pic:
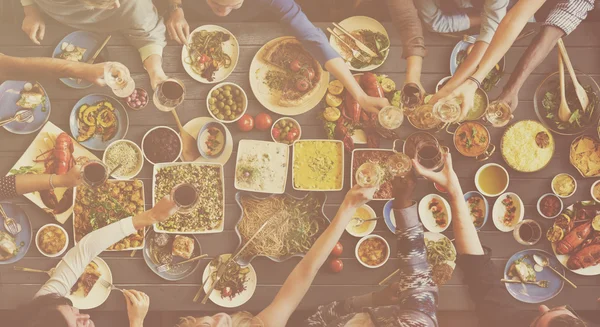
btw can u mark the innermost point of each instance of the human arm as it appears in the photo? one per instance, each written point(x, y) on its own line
point(138, 304)
point(438, 21)
point(296, 285)
point(74, 262)
point(177, 26)
point(33, 68)
point(13, 185)
point(33, 22)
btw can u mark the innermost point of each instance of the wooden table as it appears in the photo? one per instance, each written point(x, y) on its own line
point(173, 299)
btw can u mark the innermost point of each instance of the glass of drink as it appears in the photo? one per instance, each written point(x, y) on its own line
point(169, 94)
point(498, 114)
point(528, 232)
point(95, 173)
point(369, 174)
point(447, 111)
point(429, 154)
point(185, 196)
point(399, 164)
point(390, 117)
point(411, 97)
point(118, 78)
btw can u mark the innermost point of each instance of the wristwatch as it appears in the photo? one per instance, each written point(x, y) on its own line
point(175, 6)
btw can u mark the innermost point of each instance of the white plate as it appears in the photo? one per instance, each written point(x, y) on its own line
point(99, 293)
point(193, 127)
point(429, 236)
point(162, 165)
point(258, 71)
point(354, 23)
point(43, 142)
point(372, 224)
point(239, 299)
point(245, 148)
point(498, 212)
point(231, 47)
point(427, 217)
point(340, 144)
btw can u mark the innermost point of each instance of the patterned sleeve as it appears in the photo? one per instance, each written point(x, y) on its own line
point(8, 187)
point(568, 14)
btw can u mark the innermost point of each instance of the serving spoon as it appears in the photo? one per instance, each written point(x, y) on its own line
point(564, 113)
point(544, 262)
point(579, 90)
point(189, 150)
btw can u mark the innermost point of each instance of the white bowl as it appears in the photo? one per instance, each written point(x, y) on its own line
point(157, 127)
point(540, 201)
point(387, 257)
point(140, 156)
point(592, 190)
point(498, 212)
point(245, 101)
point(477, 178)
point(427, 217)
point(561, 196)
point(372, 224)
point(57, 253)
point(286, 118)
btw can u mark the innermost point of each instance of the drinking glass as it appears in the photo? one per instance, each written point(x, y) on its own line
point(169, 94)
point(411, 97)
point(118, 78)
point(399, 164)
point(390, 117)
point(94, 173)
point(528, 232)
point(185, 196)
point(447, 111)
point(498, 113)
point(429, 154)
point(369, 174)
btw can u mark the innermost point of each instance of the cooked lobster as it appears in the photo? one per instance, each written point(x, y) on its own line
point(352, 110)
point(586, 257)
point(341, 133)
point(369, 83)
point(574, 239)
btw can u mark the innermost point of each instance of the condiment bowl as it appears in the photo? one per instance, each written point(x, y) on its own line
point(295, 122)
point(539, 205)
point(139, 157)
point(387, 257)
point(556, 192)
point(199, 139)
point(479, 173)
point(592, 190)
point(64, 248)
point(244, 96)
point(164, 127)
point(372, 224)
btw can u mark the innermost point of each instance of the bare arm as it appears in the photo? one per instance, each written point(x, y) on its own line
point(38, 68)
point(28, 183)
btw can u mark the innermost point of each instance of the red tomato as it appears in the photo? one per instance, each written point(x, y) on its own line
point(276, 132)
point(226, 292)
point(302, 84)
point(295, 65)
point(263, 121)
point(309, 73)
point(292, 135)
point(336, 265)
point(245, 123)
point(203, 58)
point(337, 250)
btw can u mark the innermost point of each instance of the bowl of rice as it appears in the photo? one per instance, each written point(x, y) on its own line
point(128, 155)
point(527, 146)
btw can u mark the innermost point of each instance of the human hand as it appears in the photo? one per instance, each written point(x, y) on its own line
point(33, 24)
point(163, 209)
point(465, 94)
point(157, 76)
point(511, 98)
point(137, 307)
point(446, 178)
point(93, 73)
point(372, 104)
point(403, 189)
point(357, 196)
point(387, 296)
point(71, 179)
point(177, 27)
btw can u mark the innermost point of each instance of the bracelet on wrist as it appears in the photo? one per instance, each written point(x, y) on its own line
point(474, 80)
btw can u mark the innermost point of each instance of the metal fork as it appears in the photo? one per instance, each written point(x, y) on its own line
point(541, 283)
point(108, 285)
point(355, 53)
point(169, 266)
point(47, 272)
point(9, 223)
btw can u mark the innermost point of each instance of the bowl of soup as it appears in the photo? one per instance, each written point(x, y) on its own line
point(595, 191)
point(491, 180)
point(472, 139)
point(357, 229)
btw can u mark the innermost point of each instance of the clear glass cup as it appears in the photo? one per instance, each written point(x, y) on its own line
point(118, 78)
point(169, 94)
point(369, 174)
point(94, 173)
point(498, 114)
point(447, 111)
point(185, 196)
point(390, 117)
point(528, 232)
point(429, 154)
point(411, 97)
point(399, 164)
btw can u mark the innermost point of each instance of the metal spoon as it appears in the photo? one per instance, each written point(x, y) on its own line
point(360, 221)
point(22, 116)
point(47, 272)
point(544, 262)
point(11, 225)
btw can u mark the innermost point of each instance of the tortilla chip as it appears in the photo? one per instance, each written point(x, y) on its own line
point(584, 145)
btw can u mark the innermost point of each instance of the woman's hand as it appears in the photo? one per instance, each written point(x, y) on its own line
point(372, 104)
point(163, 209)
point(465, 93)
point(177, 27)
point(357, 196)
point(33, 24)
point(446, 178)
point(137, 307)
point(71, 179)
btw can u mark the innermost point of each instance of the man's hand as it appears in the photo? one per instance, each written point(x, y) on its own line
point(357, 196)
point(403, 189)
point(33, 24)
point(510, 98)
point(177, 27)
point(387, 296)
point(446, 178)
point(372, 104)
point(93, 73)
point(465, 94)
point(137, 307)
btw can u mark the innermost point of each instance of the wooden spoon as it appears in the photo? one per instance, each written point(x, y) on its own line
point(189, 149)
point(579, 90)
point(564, 113)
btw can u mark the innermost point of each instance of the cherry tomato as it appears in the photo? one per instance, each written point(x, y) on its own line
point(336, 265)
point(309, 73)
point(295, 65)
point(337, 250)
point(276, 132)
point(203, 58)
point(226, 292)
point(302, 84)
point(245, 123)
point(292, 134)
point(263, 121)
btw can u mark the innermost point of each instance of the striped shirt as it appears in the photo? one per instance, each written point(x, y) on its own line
point(568, 14)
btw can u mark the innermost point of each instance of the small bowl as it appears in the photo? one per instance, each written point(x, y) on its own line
point(140, 159)
point(555, 192)
point(540, 201)
point(166, 127)
point(295, 122)
point(57, 253)
point(372, 224)
point(199, 140)
point(387, 257)
point(592, 190)
point(138, 90)
point(477, 178)
point(245, 101)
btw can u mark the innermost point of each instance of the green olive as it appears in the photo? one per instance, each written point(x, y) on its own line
point(220, 116)
point(227, 107)
point(227, 112)
point(232, 117)
point(220, 105)
point(215, 111)
point(227, 87)
point(229, 102)
point(237, 92)
point(215, 93)
point(282, 136)
point(212, 100)
point(213, 107)
point(227, 93)
point(286, 129)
